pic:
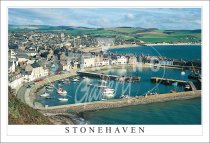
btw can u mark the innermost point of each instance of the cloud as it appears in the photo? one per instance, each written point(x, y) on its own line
point(162, 18)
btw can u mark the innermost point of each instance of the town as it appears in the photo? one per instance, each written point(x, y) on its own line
point(34, 55)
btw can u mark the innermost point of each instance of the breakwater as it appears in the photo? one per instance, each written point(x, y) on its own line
point(115, 103)
point(110, 77)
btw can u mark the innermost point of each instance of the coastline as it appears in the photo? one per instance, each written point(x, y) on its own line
point(98, 49)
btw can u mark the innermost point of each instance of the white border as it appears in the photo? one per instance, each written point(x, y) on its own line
point(175, 133)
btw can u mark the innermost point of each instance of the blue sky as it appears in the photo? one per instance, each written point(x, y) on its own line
point(162, 18)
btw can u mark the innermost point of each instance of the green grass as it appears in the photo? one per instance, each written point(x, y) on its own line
point(20, 113)
point(149, 35)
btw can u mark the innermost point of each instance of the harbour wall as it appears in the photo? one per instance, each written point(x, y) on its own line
point(115, 103)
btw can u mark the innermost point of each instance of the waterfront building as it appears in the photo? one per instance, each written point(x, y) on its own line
point(132, 60)
point(35, 71)
point(122, 60)
point(65, 66)
point(88, 60)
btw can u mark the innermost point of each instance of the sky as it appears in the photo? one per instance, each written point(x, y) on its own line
point(161, 18)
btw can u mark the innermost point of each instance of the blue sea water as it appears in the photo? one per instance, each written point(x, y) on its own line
point(182, 112)
point(185, 52)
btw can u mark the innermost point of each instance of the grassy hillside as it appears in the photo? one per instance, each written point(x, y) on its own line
point(20, 113)
point(148, 35)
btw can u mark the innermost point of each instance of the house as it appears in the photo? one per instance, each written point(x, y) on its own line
point(98, 60)
point(75, 64)
point(65, 66)
point(34, 71)
point(88, 60)
point(11, 67)
point(132, 60)
point(16, 80)
point(122, 60)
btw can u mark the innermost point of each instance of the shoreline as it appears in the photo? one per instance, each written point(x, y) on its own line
point(98, 49)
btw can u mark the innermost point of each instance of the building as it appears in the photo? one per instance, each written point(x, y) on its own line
point(65, 66)
point(16, 80)
point(88, 61)
point(122, 60)
point(132, 60)
point(34, 71)
point(11, 67)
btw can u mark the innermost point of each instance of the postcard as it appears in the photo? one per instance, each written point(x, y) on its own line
point(130, 71)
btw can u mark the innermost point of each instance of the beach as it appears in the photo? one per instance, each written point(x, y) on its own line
point(98, 49)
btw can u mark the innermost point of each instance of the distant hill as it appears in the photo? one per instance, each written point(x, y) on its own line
point(148, 35)
point(20, 113)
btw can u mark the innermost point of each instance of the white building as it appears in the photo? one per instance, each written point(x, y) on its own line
point(11, 67)
point(16, 81)
point(35, 71)
point(88, 61)
point(121, 60)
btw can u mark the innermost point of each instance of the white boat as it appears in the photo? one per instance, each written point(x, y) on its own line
point(61, 91)
point(45, 94)
point(187, 86)
point(108, 89)
point(182, 73)
point(59, 84)
point(63, 99)
point(75, 80)
point(108, 94)
point(102, 86)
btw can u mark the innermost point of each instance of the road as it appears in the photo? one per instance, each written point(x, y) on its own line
point(21, 92)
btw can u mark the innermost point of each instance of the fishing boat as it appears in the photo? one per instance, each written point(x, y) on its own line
point(75, 80)
point(102, 86)
point(108, 92)
point(61, 91)
point(182, 73)
point(187, 87)
point(45, 94)
point(63, 99)
point(48, 97)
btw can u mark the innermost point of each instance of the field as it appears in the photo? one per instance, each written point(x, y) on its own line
point(133, 34)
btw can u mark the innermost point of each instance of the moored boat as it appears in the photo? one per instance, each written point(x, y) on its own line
point(61, 91)
point(63, 99)
point(75, 80)
point(45, 94)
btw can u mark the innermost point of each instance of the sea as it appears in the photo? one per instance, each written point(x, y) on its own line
point(172, 112)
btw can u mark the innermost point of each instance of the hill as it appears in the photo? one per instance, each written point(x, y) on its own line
point(20, 113)
point(148, 35)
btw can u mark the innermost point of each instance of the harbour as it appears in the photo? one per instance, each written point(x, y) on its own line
point(97, 89)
